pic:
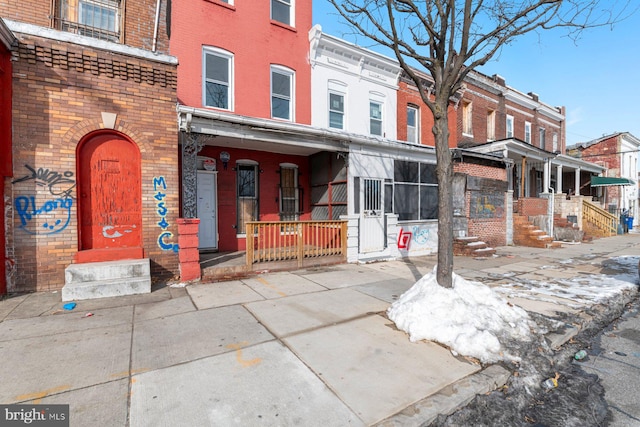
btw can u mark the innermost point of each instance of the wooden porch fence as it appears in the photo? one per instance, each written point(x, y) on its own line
point(298, 243)
point(602, 220)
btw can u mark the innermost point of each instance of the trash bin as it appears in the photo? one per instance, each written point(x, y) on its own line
point(624, 224)
point(629, 223)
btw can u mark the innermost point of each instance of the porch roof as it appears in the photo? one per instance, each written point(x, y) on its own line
point(606, 181)
point(253, 133)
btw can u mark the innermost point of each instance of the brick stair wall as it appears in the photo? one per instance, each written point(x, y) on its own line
point(527, 234)
point(471, 246)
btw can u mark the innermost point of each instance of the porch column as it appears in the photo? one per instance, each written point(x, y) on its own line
point(190, 148)
point(576, 186)
point(546, 175)
point(522, 176)
point(559, 179)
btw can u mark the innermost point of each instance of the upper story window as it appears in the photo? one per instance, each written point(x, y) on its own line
point(413, 133)
point(491, 125)
point(375, 118)
point(217, 87)
point(509, 127)
point(336, 110)
point(527, 132)
point(555, 142)
point(543, 133)
point(99, 19)
point(467, 118)
point(282, 11)
point(281, 93)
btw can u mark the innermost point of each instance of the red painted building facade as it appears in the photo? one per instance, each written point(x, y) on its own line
point(243, 88)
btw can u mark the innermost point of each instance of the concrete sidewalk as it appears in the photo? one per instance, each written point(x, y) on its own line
point(311, 347)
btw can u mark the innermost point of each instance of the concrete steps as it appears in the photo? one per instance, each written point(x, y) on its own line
point(106, 279)
point(471, 246)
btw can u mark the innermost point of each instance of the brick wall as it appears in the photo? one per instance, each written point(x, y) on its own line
point(492, 231)
point(532, 206)
point(138, 16)
point(483, 101)
point(60, 94)
point(408, 95)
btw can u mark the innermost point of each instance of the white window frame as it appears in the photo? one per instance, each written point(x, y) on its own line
point(416, 128)
point(542, 137)
point(467, 118)
point(491, 125)
point(372, 119)
point(276, 69)
point(292, 11)
point(207, 50)
point(331, 110)
point(527, 132)
point(509, 127)
point(555, 142)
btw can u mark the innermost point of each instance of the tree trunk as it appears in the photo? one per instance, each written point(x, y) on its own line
point(444, 172)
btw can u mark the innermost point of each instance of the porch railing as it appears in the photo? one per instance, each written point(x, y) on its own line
point(599, 218)
point(295, 241)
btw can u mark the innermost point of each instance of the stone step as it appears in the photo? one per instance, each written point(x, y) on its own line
point(106, 288)
point(107, 279)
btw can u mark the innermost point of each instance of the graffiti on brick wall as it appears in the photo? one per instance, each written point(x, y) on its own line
point(418, 238)
point(50, 217)
point(486, 205)
point(58, 183)
point(165, 236)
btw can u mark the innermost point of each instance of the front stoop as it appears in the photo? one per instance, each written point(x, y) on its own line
point(471, 246)
point(107, 279)
point(527, 234)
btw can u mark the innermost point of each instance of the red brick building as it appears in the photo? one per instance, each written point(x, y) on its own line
point(248, 150)
point(95, 159)
point(7, 43)
point(415, 120)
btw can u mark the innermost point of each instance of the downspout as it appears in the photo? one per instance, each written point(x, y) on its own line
point(552, 202)
point(156, 24)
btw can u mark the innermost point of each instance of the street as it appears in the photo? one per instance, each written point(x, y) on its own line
point(615, 358)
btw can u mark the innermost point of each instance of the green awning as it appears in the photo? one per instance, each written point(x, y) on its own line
point(605, 181)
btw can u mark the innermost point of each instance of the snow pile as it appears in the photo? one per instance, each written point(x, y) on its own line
point(469, 318)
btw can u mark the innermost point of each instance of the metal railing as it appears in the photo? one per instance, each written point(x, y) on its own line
point(604, 221)
point(269, 241)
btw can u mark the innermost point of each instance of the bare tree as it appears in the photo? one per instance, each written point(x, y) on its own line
point(448, 39)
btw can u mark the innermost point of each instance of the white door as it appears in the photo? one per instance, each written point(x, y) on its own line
point(372, 235)
point(207, 210)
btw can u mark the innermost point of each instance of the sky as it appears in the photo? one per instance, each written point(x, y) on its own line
point(595, 78)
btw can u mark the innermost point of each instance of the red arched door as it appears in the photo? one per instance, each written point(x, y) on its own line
point(109, 199)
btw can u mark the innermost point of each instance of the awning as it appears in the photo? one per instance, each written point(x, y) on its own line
point(605, 181)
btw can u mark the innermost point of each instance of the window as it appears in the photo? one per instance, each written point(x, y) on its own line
point(491, 125)
point(415, 190)
point(247, 192)
point(543, 132)
point(527, 132)
point(281, 93)
point(375, 118)
point(413, 128)
point(336, 110)
point(555, 142)
point(217, 86)
point(282, 11)
point(467, 118)
point(289, 193)
point(509, 127)
point(99, 19)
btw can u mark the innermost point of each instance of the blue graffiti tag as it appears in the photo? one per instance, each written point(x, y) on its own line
point(159, 183)
point(420, 236)
point(28, 211)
